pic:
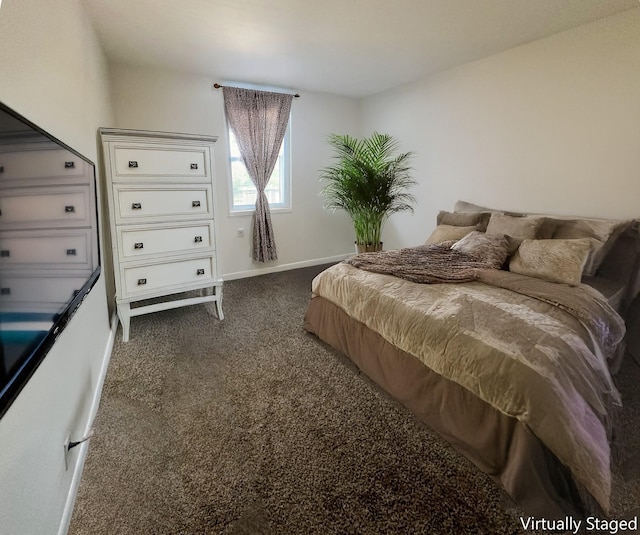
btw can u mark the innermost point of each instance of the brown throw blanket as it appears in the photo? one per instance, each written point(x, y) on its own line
point(427, 264)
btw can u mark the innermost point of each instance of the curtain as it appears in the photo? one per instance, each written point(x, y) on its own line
point(259, 121)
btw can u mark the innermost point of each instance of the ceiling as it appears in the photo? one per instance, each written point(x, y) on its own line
point(348, 47)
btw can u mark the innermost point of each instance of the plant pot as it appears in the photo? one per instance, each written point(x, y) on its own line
point(368, 248)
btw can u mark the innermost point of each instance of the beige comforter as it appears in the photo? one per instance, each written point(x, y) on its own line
point(539, 359)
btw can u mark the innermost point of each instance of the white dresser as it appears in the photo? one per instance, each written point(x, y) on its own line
point(47, 224)
point(160, 189)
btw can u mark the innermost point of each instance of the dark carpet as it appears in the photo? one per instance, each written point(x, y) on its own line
point(252, 426)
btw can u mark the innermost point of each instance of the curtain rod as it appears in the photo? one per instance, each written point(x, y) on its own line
point(218, 86)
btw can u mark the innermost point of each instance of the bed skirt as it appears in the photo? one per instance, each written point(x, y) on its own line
point(499, 445)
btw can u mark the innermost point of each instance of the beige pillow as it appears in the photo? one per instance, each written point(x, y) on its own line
point(552, 260)
point(477, 219)
point(522, 228)
point(449, 232)
point(491, 249)
point(602, 232)
point(464, 206)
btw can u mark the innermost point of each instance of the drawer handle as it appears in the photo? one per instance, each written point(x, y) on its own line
point(138, 245)
point(200, 272)
point(136, 206)
point(5, 253)
point(194, 166)
point(69, 165)
point(1, 168)
point(5, 291)
point(198, 239)
point(142, 282)
point(133, 163)
point(71, 252)
point(69, 209)
point(195, 204)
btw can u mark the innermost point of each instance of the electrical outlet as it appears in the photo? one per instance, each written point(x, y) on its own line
point(240, 233)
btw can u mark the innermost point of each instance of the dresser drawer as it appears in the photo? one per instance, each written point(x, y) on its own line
point(53, 249)
point(40, 164)
point(157, 162)
point(45, 207)
point(174, 276)
point(39, 290)
point(137, 204)
point(142, 241)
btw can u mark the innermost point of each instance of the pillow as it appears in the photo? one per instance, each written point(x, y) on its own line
point(552, 260)
point(448, 232)
point(522, 228)
point(477, 219)
point(602, 232)
point(464, 206)
point(600, 229)
point(491, 249)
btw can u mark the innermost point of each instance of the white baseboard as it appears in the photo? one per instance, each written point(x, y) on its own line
point(84, 447)
point(285, 267)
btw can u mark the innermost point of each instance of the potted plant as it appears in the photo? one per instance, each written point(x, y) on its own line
point(368, 181)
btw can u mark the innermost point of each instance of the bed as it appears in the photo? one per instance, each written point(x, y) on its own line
point(502, 333)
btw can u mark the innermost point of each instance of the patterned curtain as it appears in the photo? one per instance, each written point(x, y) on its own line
point(259, 121)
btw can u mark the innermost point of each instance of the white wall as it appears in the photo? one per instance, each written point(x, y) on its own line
point(53, 72)
point(152, 99)
point(551, 126)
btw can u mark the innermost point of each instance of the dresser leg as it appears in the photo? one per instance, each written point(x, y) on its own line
point(218, 293)
point(124, 314)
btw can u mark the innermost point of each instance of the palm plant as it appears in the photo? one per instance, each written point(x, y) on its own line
point(369, 182)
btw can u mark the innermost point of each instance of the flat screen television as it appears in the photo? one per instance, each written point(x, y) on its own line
point(49, 247)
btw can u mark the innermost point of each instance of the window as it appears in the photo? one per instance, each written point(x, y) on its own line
point(243, 192)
